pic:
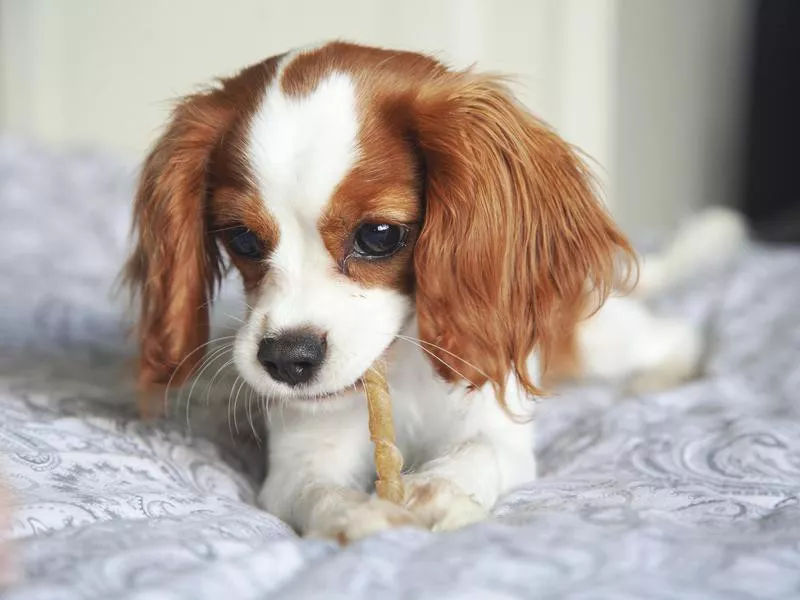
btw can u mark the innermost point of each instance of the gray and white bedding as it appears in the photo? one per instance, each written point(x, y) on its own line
point(690, 493)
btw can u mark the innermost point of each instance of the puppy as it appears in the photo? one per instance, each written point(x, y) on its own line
point(377, 203)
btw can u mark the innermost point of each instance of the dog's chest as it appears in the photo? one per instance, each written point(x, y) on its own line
point(425, 408)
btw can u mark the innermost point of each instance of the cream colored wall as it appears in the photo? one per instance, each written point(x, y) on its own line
point(682, 74)
point(609, 74)
point(103, 71)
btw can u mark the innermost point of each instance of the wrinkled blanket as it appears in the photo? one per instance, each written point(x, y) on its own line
point(691, 493)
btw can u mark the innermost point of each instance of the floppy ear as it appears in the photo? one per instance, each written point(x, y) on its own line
point(515, 242)
point(176, 263)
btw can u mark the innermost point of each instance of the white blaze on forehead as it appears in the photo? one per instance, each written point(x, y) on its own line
point(302, 147)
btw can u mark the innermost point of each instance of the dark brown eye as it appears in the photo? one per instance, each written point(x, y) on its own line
point(245, 243)
point(378, 240)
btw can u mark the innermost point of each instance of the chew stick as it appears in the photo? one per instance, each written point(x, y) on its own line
point(388, 460)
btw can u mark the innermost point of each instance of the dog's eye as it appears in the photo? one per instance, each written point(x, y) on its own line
point(244, 242)
point(377, 240)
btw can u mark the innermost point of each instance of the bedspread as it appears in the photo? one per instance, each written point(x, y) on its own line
point(690, 493)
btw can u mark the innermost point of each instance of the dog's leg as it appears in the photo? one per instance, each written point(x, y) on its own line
point(319, 470)
point(709, 240)
point(625, 343)
point(461, 484)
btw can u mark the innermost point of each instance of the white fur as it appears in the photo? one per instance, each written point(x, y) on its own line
point(625, 342)
point(709, 240)
point(464, 450)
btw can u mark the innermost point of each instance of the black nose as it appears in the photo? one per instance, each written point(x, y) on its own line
point(293, 357)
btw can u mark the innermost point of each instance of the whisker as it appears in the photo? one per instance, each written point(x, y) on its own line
point(185, 358)
point(252, 309)
point(211, 383)
point(230, 397)
point(283, 403)
point(456, 371)
point(267, 410)
point(255, 312)
point(445, 350)
point(235, 404)
point(207, 362)
point(250, 414)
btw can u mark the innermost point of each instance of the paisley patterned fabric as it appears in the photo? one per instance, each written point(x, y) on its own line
point(691, 493)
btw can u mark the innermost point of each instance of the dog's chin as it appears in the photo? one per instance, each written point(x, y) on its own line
point(314, 400)
point(324, 396)
point(312, 395)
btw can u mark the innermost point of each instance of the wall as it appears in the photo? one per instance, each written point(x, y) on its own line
point(682, 67)
point(104, 71)
point(611, 75)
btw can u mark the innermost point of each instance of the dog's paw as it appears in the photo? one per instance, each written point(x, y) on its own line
point(678, 348)
point(440, 505)
point(359, 520)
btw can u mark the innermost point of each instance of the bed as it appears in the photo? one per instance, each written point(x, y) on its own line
point(690, 493)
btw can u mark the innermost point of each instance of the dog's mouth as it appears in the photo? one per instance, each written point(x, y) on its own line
point(308, 396)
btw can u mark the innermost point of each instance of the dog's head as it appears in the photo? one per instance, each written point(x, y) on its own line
point(353, 188)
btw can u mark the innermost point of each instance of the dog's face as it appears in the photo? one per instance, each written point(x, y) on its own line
point(354, 188)
point(324, 238)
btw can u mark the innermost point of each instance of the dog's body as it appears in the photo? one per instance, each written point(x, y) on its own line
point(461, 449)
point(378, 204)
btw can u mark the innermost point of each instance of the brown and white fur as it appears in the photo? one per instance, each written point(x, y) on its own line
point(507, 251)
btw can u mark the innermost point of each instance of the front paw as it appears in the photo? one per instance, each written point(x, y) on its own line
point(441, 505)
point(357, 521)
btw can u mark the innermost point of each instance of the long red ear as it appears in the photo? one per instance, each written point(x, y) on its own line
point(514, 240)
point(176, 263)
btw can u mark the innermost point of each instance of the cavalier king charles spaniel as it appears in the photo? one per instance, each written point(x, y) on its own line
point(379, 204)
